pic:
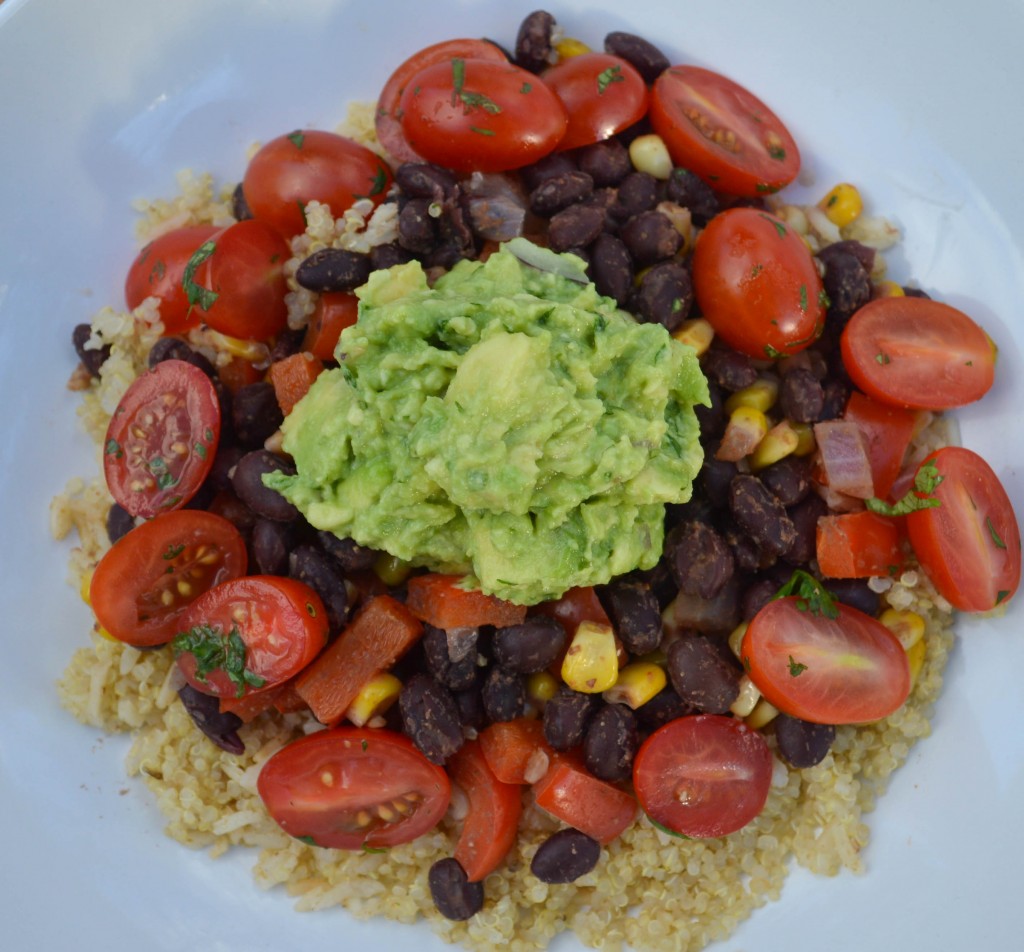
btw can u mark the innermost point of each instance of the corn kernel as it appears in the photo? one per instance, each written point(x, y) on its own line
point(391, 570)
point(747, 699)
point(843, 205)
point(649, 154)
point(84, 586)
point(736, 638)
point(637, 684)
point(374, 698)
point(252, 350)
point(806, 443)
point(762, 714)
point(541, 687)
point(591, 665)
point(746, 428)
point(915, 658)
point(568, 47)
point(761, 395)
point(779, 442)
point(908, 626)
point(889, 289)
point(697, 333)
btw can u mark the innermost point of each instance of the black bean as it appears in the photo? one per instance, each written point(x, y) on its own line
point(174, 348)
point(848, 287)
point(270, 544)
point(247, 480)
point(665, 295)
point(430, 717)
point(801, 397)
point(333, 269)
point(228, 506)
point(224, 463)
point(810, 359)
point(801, 743)
point(855, 593)
point(836, 392)
point(287, 344)
point(255, 413)
point(387, 256)
point(560, 191)
point(637, 192)
point(575, 225)
point(665, 706)
point(454, 895)
point(701, 675)
point(457, 674)
point(650, 237)
point(804, 516)
point(529, 647)
point(565, 856)
point(915, 292)
point(865, 255)
point(566, 716)
point(642, 55)
point(789, 479)
point(760, 514)
point(756, 595)
point(686, 189)
point(606, 162)
point(716, 476)
point(730, 369)
point(554, 164)
point(709, 615)
point(204, 709)
point(700, 560)
point(635, 614)
point(239, 205)
point(610, 743)
point(503, 694)
point(470, 705)
point(747, 554)
point(533, 49)
point(91, 359)
point(423, 180)
point(611, 267)
point(712, 419)
point(314, 567)
point(351, 556)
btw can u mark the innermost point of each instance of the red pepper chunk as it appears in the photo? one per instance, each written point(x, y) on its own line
point(441, 601)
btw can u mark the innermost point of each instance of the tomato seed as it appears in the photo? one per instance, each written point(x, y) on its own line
point(327, 778)
point(386, 813)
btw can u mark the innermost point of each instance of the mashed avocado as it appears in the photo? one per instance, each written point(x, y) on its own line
point(509, 423)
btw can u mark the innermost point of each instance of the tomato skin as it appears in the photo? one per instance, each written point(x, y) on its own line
point(332, 313)
point(380, 767)
point(887, 431)
point(575, 606)
point(736, 143)
point(282, 623)
point(157, 271)
point(917, 353)
point(309, 165)
point(970, 543)
point(602, 94)
point(703, 775)
point(388, 117)
point(846, 670)
point(127, 585)
point(161, 439)
point(512, 119)
point(244, 269)
point(757, 285)
point(858, 545)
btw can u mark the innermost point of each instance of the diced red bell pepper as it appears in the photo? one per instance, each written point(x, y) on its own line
point(440, 600)
point(514, 748)
point(858, 545)
point(575, 796)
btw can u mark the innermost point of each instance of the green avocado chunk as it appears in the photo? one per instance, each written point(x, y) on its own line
point(509, 423)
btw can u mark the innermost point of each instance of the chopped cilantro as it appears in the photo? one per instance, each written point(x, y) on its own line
point(803, 298)
point(482, 132)
point(1001, 595)
point(173, 551)
point(778, 225)
point(995, 535)
point(297, 139)
point(665, 829)
point(613, 74)
point(214, 651)
point(113, 448)
point(918, 497)
point(811, 594)
point(796, 668)
point(196, 293)
point(777, 152)
point(526, 87)
point(882, 358)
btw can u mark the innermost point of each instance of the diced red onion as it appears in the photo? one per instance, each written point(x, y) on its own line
point(844, 454)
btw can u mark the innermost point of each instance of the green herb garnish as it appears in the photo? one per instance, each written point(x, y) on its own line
point(196, 293)
point(920, 497)
point(811, 595)
point(214, 651)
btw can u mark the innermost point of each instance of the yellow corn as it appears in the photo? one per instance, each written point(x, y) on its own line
point(569, 46)
point(374, 698)
point(915, 658)
point(391, 570)
point(541, 687)
point(591, 664)
point(736, 638)
point(747, 700)
point(760, 395)
point(697, 333)
point(889, 289)
point(806, 444)
point(780, 441)
point(83, 588)
point(762, 714)
point(252, 350)
point(843, 205)
point(908, 626)
point(649, 154)
point(637, 684)
point(746, 428)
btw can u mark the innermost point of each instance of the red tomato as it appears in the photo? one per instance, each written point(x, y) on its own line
point(157, 272)
point(388, 118)
point(576, 605)
point(480, 115)
point(887, 431)
point(918, 353)
point(161, 439)
point(492, 822)
point(704, 775)
point(858, 545)
point(722, 132)
point(249, 634)
point(236, 281)
point(970, 543)
point(843, 670)
point(293, 170)
point(333, 312)
point(353, 788)
point(602, 93)
point(146, 580)
point(757, 285)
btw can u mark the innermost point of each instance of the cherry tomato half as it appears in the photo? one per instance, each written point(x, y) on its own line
point(843, 670)
point(157, 272)
point(918, 353)
point(388, 118)
point(722, 132)
point(332, 313)
point(236, 279)
point(249, 634)
point(161, 439)
point(148, 578)
point(757, 285)
point(602, 93)
point(293, 170)
point(970, 543)
point(481, 115)
point(352, 788)
point(704, 775)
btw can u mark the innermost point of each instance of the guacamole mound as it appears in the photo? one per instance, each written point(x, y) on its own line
point(508, 423)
